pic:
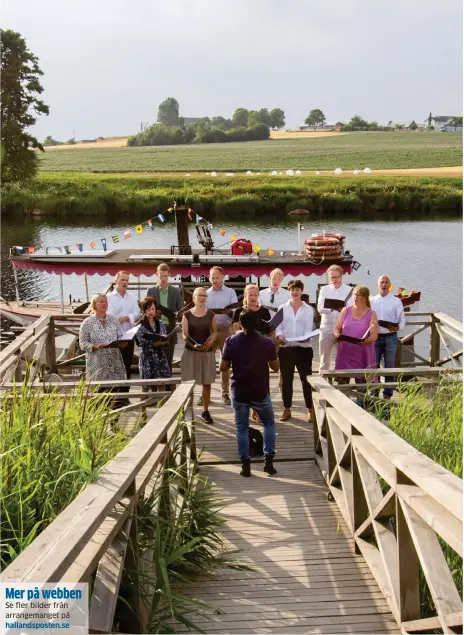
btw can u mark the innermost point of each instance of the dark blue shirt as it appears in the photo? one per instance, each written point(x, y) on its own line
point(249, 356)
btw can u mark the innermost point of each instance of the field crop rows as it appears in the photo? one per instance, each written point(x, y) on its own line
point(376, 150)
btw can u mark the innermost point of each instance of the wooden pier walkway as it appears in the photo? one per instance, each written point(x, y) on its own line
point(306, 577)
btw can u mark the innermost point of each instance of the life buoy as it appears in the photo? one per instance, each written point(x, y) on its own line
point(328, 235)
point(324, 248)
point(325, 242)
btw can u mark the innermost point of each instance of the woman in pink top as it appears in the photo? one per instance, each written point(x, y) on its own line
point(358, 321)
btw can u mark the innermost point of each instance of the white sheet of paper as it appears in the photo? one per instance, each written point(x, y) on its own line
point(130, 334)
point(302, 338)
point(366, 333)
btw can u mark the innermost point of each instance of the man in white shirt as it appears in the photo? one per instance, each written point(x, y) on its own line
point(220, 296)
point(298, 321)
point(125, 307)
point(390, 311)
point(274, 295)
point(335, 290)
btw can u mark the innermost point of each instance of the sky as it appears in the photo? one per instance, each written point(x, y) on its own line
point(109, 63)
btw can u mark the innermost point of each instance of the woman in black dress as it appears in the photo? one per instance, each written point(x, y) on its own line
point(250, 302)
point(153, 363)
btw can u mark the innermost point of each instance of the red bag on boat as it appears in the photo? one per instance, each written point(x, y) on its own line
point(241, 247)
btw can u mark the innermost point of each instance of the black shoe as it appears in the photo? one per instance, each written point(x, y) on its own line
point(206, 417)
point(268, 465)
point(226, 399)
point(245, 471)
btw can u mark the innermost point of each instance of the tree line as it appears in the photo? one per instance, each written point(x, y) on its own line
point(171, 128)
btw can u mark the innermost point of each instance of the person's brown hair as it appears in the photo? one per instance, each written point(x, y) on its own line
point(120, 273)
point(163, 267)
point(295, 284)
point(364, 292)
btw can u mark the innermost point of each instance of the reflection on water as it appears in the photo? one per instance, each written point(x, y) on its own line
point(422, 255)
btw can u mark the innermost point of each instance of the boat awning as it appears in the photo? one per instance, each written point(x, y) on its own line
point(105, 268)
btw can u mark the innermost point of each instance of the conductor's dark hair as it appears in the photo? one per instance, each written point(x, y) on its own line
point(248, 321)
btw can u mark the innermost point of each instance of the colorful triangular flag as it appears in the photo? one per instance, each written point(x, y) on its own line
point(30, 250)
point(60, 250)
point(199, 218)
point(161, 217)
point(127, 234)
point(92, 244)
point(170, 209)
point(103, 241)
point(67, 249)
point(80, 246)
point(115, 238)
point(209, 226)
point(150, 224)
point(139, 229)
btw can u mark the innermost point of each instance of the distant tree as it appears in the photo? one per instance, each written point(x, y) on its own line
point(373, 125)
point(71, 141)
point(264, 116)
point(240, 118)
point(253, 118)
point(429, 120)
point(455, 122)
point(50, 141)
point(277, 118)
point(168, 112)
point(20, 88)
point(315, 118)
point(221, 122)
point(413, 126)
point(358, 123)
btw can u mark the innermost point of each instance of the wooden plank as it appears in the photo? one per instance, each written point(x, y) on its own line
point(432, 623)
point(53, 551)
point(24, 338)
point(426, 371)
point(446, 320)
point(107, 582)
point(436, 571)
point(435, 515)
point(36, 356)
point(447, 345)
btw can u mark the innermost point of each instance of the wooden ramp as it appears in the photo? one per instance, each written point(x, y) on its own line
point(306, 577)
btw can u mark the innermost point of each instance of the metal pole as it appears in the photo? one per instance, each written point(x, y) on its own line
point(61, 293)
point(15, 273)
point(86, 287)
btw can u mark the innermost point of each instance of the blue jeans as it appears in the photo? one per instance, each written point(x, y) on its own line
point(265, 413)
point(385, 347)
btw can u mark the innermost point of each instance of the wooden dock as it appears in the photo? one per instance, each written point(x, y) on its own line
point(306, 577)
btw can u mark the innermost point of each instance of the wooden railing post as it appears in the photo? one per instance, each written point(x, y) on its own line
point(130, 619)
point(408, 563)
point(434, 342)
point(50, 349)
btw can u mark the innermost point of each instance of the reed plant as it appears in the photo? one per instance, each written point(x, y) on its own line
point(50, 449)
point(138, 197)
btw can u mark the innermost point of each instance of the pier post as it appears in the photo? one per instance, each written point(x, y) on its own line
point(182, 219)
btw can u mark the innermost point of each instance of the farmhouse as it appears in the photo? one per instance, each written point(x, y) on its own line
point(406, 125)
point(441, 123)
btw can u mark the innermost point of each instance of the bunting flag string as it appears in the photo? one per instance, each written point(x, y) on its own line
point(127, 234)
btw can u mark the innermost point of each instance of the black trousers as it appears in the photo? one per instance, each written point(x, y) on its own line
point(127, 354)
point(301, 358)
point(169, 350)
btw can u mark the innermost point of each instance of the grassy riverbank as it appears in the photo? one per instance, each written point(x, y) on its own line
point(367, 197)
point(356, 150)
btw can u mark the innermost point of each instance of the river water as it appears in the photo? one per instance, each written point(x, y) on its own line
point(425, 256)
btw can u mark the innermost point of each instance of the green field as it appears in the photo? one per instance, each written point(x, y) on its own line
point(376, 150)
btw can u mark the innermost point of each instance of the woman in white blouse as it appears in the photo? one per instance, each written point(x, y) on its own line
point(298, 321)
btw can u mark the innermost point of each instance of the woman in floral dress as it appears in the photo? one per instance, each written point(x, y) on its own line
point(97, 331)
point(153, 363)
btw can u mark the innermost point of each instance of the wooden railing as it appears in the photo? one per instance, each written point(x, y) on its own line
point(397, 503)
point(93, 533)
point(445, 332)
